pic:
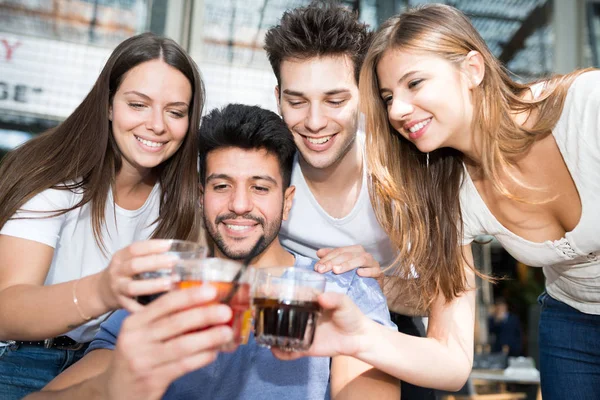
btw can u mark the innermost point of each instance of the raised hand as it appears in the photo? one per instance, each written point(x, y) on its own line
point(175, 334)
point(341, 329)
point(117, 284)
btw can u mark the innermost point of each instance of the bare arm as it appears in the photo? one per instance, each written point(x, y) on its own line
point(442, 360)
point(399, 302)
point(91, 389)
point(93, 364)
point(31, 311)
point(156, 345)
point(353, 379)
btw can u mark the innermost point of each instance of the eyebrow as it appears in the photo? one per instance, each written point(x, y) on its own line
point(255, 178)
point(175, 103)
point(328, 93)
point(402, 79)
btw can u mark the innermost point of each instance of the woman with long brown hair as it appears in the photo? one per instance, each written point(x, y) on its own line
point(122, 168)
point(456, 148)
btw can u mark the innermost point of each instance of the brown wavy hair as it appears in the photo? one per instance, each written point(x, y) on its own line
point(81, 153)
point(417, 200)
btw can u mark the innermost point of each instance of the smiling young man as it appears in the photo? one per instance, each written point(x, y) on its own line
point(316, 53)
point(246, 156)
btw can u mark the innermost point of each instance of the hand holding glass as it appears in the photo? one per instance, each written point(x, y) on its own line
point(183, 250)
point(220, 273)
point(285, 307)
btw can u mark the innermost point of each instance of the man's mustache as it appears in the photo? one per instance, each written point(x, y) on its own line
point(232, 216)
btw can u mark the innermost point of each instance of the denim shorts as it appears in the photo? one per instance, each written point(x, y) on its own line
point(26, 369)
point(569, 352)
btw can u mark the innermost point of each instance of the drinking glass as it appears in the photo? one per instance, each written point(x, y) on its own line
point(285, 307)
point(221, 273)
point(184, 250)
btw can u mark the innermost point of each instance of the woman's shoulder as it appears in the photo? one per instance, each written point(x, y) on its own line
point(586, 84)
point(59, 197)
point(578, 118)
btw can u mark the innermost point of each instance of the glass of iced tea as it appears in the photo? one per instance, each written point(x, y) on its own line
point(220, 273)
point(184, 250)
point(285, 307)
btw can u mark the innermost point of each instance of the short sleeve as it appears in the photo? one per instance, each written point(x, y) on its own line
point(367, 295)
point(106, 338)
point(35, 220)
point(580, 119)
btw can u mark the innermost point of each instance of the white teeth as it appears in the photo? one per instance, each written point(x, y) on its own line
point(319, 140)
point(149, 143)
point(419, 126)
point(238, 228)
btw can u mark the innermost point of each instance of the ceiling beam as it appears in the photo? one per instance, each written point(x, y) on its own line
point(538, 17)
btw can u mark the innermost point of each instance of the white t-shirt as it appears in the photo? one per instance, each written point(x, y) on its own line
point(309, 227)
point(76, 253)
point(572, 264)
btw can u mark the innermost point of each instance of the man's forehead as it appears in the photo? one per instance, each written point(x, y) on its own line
point(238, 163)
point(330, 73)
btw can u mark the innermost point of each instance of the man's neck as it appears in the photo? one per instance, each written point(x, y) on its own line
point(336, 188)
point(273, 256)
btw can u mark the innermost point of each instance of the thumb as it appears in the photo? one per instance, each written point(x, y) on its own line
point(332, 301)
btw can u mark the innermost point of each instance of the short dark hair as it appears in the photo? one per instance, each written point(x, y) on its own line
point(247, 127)
point(319, 29)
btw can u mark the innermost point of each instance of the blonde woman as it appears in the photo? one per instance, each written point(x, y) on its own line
point(456, 148)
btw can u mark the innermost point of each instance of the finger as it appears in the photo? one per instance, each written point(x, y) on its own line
point(174, 301)
point(323, 268)
point(332, 253)
point(363, 261)
point(343, 262)
point(210, 339)
point(129, 304)
point(144, 247)
point(149, 263)
point(370, 272)
point(287, 355)
point(331, 300)
point(324, 251)
point(194, 318)
point(134, 288)
point(172, 371)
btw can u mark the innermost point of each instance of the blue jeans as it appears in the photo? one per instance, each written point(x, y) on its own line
point(569, 352)
point(27, 369)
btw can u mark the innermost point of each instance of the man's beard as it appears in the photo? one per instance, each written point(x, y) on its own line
point(270, 233)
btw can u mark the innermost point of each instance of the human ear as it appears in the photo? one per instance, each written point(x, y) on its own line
point(474, 67)
point(288, 198)
point(277, 99)
point(201, 198)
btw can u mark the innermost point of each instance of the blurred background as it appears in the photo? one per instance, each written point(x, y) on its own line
point(51, 52)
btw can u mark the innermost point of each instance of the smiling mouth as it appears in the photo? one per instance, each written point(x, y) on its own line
point(419, 126)
point(321, 140)
point(239, 228)
point(149, 143)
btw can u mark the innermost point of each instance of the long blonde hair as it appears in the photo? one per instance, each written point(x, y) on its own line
point(416, 196)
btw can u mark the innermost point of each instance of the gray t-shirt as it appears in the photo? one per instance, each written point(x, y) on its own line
point(252, 372)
